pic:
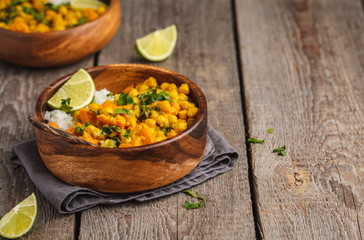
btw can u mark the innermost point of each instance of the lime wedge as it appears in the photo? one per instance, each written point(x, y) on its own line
point(20, 219)
point(80, 88)
point(159, 45)
point(84, 4)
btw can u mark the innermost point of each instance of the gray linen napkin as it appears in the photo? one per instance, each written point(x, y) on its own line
point(219, 157)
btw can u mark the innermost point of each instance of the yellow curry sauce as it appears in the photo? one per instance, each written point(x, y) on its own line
point(39, 16)
point(140, 115)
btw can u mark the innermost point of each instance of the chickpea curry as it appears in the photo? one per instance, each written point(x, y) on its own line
point(31, 16)
point(139, 115)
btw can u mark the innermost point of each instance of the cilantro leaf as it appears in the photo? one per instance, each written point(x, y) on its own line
point(108, 130)
point(189, 205)
point(126, 133)
point(167, 129)
point(152, 96)
point(110, 94)
point(80, 129)
point(270, 130)
point(281, 150)
point(125, 99)
point(253, 140)
point(96, 113)
point(123, 111)
point(65, 105)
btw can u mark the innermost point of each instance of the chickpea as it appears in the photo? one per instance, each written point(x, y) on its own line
point(164, 106)
point(183, 114)
point(162, 121)
point(150, 122)
point(133, 92)
point(192, 112)
point(180, 126)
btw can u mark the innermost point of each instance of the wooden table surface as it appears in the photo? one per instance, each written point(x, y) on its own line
point(296, 66)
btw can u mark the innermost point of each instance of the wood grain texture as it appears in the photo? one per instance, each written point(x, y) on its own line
point(303, 76)
point(19, 89)
point(59, 48)
point(204, 53)
point(132, 169)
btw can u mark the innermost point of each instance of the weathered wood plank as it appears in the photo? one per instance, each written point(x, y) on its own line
point(303, 75)
point(205, 53)
point(19, 90)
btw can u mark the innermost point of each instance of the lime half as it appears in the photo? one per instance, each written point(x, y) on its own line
point(159, 45)
point(84, 4)
point(20, 219)
point(80, 88)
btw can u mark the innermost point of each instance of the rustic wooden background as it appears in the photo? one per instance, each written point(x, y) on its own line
point(294, 65)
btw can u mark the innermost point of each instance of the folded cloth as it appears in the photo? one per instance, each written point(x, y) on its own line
point(219, 157)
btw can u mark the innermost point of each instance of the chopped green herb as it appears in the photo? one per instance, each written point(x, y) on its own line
point(125, 99)
point(81, 21)
point(97, 113)
point(117, 140)
point(189, 205)
point(65, 105)
point(110, 94)
point(152, 96)
point(52, 6)
point(123, 111)
point(108, 130)
point(16, 2)
point(281, 150)
point(270, 130)
point(38, 16)
point(253, 140)
point(80, 129)
point(166, 130)
point(126, 133)
point(145, 112)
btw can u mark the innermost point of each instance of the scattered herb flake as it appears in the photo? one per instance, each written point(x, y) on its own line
point(253, 140)
point(281, 150)
point(80, 129)
point(270, 130)
point(110, 94)
point(189, 205)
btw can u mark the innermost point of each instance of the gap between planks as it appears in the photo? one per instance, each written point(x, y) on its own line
point(252, 184)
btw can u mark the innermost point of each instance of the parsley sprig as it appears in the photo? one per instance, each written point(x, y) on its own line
point(189, 205)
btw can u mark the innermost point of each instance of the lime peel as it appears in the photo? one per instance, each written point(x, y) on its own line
point(80, 88)
point(19, 220)
point(158, 45)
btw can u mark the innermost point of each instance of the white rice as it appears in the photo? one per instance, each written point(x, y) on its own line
point(101, 96)
point(65, 120)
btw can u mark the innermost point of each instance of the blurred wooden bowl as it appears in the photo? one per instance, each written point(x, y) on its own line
point(60, 47)
point(124, 170)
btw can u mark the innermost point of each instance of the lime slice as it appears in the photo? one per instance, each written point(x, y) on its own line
point(159, 45)
point(20, 219)
point(80, 88)
point(84, 4)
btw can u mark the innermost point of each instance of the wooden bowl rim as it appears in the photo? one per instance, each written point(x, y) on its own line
point(113, 4)
point(199, 118)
